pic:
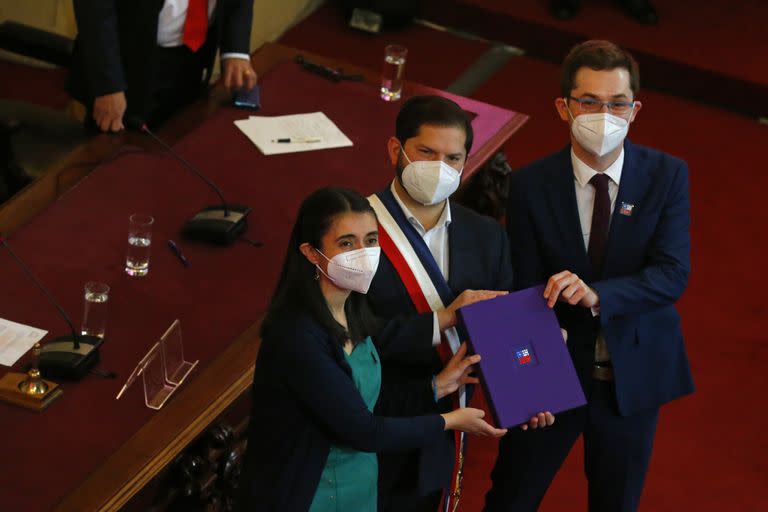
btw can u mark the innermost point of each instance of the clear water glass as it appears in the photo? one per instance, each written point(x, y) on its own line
point(392, 72)
point(139, 244)
point(95, 309)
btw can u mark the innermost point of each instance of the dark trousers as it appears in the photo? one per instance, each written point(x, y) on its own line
point(179, 77)
point(178, 80)
point(410, 503)
point(617, 450)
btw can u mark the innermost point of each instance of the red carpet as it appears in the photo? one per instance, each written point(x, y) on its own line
point(711, 447)
point(712, 50)
point(711, 451)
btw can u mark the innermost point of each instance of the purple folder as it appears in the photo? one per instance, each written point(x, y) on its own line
point(525, 367)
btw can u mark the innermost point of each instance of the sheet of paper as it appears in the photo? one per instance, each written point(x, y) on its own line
point(264, 131)
point(16, 340)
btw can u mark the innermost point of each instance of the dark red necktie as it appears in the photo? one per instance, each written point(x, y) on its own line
point(196, 24)
point(601, 218)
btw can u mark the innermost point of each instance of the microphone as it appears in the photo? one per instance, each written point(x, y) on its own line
point(219, 224)
point(65, 357)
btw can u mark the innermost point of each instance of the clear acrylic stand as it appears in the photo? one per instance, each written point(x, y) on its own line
point(176, 367)
point(156, 390)
point(162, 369)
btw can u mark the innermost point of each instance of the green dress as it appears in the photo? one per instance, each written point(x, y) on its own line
point(348, 482)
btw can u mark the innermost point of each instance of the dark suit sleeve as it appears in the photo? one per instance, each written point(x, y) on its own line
point(318, 382)
point(237, 20)
point(407, 338)
point(504, 272)
point(664, 277)
point(99, 43)
point(525, 256)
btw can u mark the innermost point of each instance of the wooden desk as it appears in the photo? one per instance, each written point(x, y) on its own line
point(224, 380)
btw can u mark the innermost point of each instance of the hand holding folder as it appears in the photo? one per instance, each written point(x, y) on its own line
point(525, 367)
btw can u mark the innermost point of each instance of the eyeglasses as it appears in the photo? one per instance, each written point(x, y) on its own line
point(591, 105)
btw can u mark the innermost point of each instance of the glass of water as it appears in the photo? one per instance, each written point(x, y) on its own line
point(392, 72)
point(95, 310)
point(139, 242)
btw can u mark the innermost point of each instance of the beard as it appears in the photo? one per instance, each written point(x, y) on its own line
point(399, 167)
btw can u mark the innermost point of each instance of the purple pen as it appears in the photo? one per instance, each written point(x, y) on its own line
point(175, 250)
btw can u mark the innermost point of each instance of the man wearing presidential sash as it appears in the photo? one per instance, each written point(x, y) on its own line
point(436, 257)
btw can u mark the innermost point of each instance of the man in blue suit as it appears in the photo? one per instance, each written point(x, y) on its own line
point(605, 224)
point(436, 257)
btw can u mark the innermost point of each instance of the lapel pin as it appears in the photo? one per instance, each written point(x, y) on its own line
point(626, 209)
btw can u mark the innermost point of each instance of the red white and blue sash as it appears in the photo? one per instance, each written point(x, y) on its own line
point(429, 291)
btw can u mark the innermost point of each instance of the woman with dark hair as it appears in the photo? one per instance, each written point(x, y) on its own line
point(312, 438)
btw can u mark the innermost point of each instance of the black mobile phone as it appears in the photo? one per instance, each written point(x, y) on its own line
point(248, 99)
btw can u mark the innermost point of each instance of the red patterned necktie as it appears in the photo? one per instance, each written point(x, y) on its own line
point(601, 217)
point(196, 24)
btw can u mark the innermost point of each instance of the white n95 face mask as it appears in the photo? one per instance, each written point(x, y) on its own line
point(599, 133)
point(430, 181)
point(353, 270)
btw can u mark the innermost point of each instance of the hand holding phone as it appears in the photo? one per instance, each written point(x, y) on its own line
point(249, 99)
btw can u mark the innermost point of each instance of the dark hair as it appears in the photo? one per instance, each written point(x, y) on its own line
point(434, 111)
point(297, 289)
point(598, 55)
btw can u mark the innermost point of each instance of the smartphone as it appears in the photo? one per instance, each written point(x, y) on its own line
point(248, 99)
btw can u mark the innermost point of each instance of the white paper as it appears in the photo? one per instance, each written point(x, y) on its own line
point(16, 340)
point(263, 130)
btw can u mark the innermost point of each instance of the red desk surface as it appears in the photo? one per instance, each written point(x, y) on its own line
point(82, 237)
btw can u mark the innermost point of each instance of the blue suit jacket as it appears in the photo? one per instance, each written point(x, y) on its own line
point(304, 400)
point(646, 268)
point(478, 258)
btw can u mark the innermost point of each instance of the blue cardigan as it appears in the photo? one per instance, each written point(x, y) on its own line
point(304, 400)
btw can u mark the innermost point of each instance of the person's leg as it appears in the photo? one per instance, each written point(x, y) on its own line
point(528, 461)
point(617, 450)
point(177, 82)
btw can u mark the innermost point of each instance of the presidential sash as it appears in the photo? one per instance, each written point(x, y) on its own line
point(429, 291)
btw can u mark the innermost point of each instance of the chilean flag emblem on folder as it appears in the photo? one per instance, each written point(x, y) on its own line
point(523, 357)
point(525, 367)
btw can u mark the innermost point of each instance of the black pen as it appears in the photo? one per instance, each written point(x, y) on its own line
point(293, 140)
point(175, 250)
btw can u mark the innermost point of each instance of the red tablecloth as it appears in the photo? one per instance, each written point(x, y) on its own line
point(82, 237)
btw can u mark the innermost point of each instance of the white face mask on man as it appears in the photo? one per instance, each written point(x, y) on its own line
point(430, 181)
point(599, 133)
point(353, 270)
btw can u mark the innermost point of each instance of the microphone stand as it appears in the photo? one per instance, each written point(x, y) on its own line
point(219, 224)
point(66, 357)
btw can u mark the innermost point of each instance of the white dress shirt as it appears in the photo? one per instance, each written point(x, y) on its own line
point(170, 27)
point(585, 199)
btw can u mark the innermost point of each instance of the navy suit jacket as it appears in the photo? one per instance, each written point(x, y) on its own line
point(646, 267)
point(478, 259)
point(304, 400)
point(117, 40)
